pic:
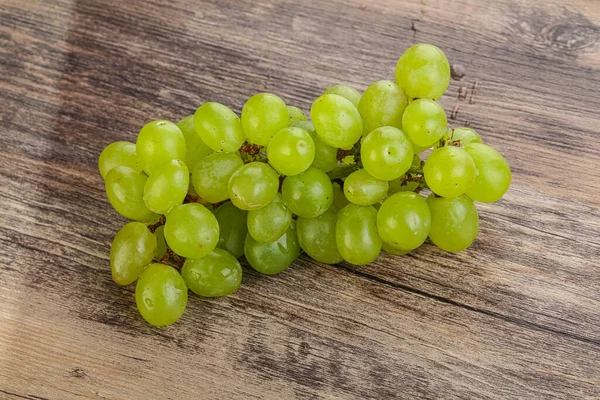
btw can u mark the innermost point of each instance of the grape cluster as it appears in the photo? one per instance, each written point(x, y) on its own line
point(269, 185)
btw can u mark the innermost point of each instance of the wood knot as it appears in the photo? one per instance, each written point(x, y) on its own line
point(569, 36)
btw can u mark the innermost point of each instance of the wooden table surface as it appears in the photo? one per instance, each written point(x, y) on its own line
point(516, 316)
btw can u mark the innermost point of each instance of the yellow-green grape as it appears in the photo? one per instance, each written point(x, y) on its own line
point(454, 222)
point(161, 295)
point(404, 221)
point(317, 237)
point(167, 186)
point(449, 171)
point(118, 154)
point(423, 72)
point(386, 153)
point(401, 185)
point(392, 250)
point(356, 234)
point(309, 194)
point(382, 104)
point(214, 275)
point(291, 151)
point(345, 91)
point(253, 186)
point(219, 127)
point(232, 228)
point(196, 148)
point(191, 230)
point(210, 176)
point(424, 121)
point(463, 136)
point(493, 177)
point(296, 115)
point(263, 115)
point(273, 258)
point(270, 222)
point(420, 149)
point(131, 251)
point(336, 120)
point(339, 198)
point(161, 244)
point(325, 155)
point(363, 189)
point(125, 191)
point(157, 142)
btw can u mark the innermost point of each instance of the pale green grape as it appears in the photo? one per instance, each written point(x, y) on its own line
point(157, 142)
point(253, 186)
point(196, 148)
point(232, 228)
point(325, 155)
point(161, 295)
point(423, 72)
point(454, 222)
point(399, 185)
point(317, 237)
point(382, 104)
point(263, 115)
point(210, 176)
point(464, 136)
point(424, 121)
point(420, 149)
point(161, 244)
point(296, 115)
point(336, 120)
point(449, 171)
point(404, 221)
point(270, 222)
point(216, 274)
point(167, 186)
point(272, 258)
point(363, 189)
point(118, 154)
point(219, 127)
point(309, 194)
point(356, 234)
point(191, 230)
point(291, 151)
point(131, 251)
point(125, 191)
point(392, 250)
point(339, 198)
point(386, 153)
point(345, 91)
point(493, 173)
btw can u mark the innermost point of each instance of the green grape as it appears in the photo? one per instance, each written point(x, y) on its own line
point(309, 194)
point(125, 191)
point(161, 244)
point(210, 176)
point(493, 173)
point(423, 72)
point(363, 189)
point(270, 222)
point(392, 250)
point(167, 186)
point(263, 115)
point(401, 185)
point(404, 221)
point(253, 186)
point(425, 122)
point(382, 104)
point(232, 228)
point(157, 142)
point(191, 230)
point(161, 295)
point(345, 91)
point(339, 198)
point(449, 171)
point(356, 234)
point(454, 222)
point(325, 155)
point(291, 151)
point(118, 154)
point(219, 127)
point(386, 153)
point(216, 274)
point(463, 136)
point(317, 237)
point(131, 251)
point(296, 115)
point(272, 258)
point(336, 120)
point(420, 149)
point(196, 148)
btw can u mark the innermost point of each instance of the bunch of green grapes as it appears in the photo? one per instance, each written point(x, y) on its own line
point(269, 184)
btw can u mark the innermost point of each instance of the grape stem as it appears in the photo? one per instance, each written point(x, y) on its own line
point(172, 259)
point(161, 221)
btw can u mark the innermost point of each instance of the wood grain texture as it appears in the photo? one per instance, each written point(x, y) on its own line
point(516, 316)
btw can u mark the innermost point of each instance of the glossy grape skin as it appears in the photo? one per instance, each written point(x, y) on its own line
point(196, 148)
point(337, 121)
point(291, 151)
point(464, 136)
point(382, 104)
point(214, 275)
point(270, 222)
point(132, 250)
point(167, 186)
point(295, 115)
point(161, 244)
point(423, 72)
point(118, 154)
point(404, 221)
point(161, 295)
point(493, 173)
point(125, 191)
point(425, 122)
point(345, 91)
point(339, 198)
point(363, 189)
point(356, 234)
point(325, 155)
point(157, 142)
point(232, 228)
point(317, 237)
point(263, 115)
point(273, 258)
point(392, 250)
point(309, 194)
point(210, 176)
point(253, 186)
point(219, 127)
point(386, 153)
point(454, 222)
point(191, 230)
point(449, 171)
